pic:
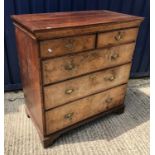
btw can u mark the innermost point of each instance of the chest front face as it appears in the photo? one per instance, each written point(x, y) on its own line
point(74, 66)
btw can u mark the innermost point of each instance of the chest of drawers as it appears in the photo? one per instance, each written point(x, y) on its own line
point(74, 66)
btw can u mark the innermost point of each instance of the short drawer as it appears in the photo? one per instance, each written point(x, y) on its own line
point(62, 68)
point(71, 90)
point(57, 47)
point(116, 37)
point(69, 114)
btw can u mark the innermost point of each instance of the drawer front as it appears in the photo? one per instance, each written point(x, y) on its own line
point(57, 47)
point(69, 114)
point(66, 67)
point(70, 90)
point(117, 37)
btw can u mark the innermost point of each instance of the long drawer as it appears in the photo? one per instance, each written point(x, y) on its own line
point(70, 90)
point(62, 46)
point(79, 110)
point(116, 37)
point(62, 68)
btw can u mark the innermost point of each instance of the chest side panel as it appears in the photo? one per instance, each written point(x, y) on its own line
point(30, 66)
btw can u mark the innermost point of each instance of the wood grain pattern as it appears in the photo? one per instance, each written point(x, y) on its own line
point(47, 21)
point(61, 93)
point(117, 37)
point(62, 46)
point(30, 66)
point(79, 110)
point(62, 68)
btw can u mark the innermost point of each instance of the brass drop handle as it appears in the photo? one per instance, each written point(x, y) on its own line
point(69, 66)
point(69, 116)
point(111, 78)
point(108, 100)
point(114, 56)
point(119, 36)
point(69, 91)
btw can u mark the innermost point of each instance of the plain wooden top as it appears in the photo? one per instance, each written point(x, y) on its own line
point(48, 21)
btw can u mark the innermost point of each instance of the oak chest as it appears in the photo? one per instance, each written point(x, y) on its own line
point(74, 66)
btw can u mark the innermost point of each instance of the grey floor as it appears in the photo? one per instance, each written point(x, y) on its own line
point(125, 134)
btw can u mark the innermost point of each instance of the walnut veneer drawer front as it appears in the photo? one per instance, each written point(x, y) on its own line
point(57, 47)
point(79, 110)
point(117, 37)
point(70, 90)
point(74, 66)
point(62, 68)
